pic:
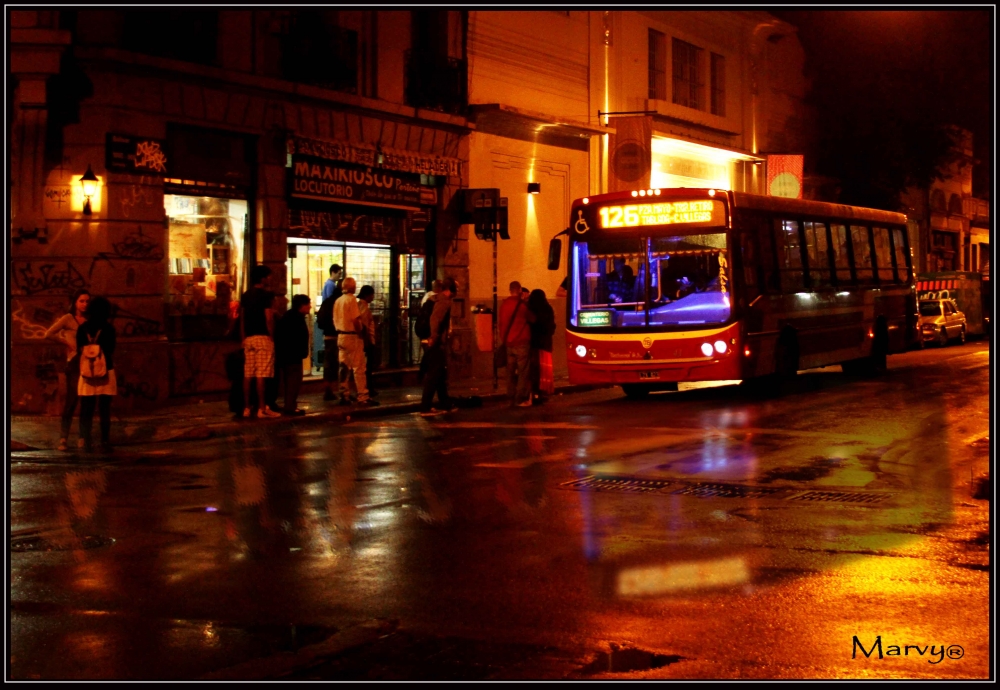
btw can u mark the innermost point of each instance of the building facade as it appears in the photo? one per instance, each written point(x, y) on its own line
point(950, 228)
point(302, 138)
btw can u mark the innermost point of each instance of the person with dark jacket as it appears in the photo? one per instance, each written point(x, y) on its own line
point(542, 320)
point(97, 390)
point(436, 353)
point(291, 346)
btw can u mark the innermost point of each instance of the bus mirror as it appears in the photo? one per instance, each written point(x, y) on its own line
point(555, 253)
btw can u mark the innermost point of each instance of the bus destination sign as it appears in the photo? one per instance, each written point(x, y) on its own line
point(595, 318)
point(700, 212)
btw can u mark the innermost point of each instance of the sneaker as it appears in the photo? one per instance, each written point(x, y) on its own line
point(526, 403)
point(432, 413)
point(62, 444)
point(267, 412)
point(246, 413)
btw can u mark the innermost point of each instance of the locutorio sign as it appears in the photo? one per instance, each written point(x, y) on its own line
point(316, 178)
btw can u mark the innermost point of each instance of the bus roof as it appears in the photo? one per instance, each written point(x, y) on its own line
point(816, 208)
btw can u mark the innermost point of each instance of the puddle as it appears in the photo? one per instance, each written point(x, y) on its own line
point(817, 469)
point(628, 659)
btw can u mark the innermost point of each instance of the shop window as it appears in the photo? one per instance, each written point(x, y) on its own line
point(862, 254)
point(816, 250)
point(718, 85)
point(841, 255)
point(689, 84)
point(657, 65)
point(789, 248)
point(899, 252)
point(206, 252)
point(883, 254)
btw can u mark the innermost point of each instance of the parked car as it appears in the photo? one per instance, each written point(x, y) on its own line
point(941, 321)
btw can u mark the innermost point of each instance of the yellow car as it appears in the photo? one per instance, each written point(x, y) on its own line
point(941, 321)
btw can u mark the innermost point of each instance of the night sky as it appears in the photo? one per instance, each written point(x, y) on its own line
point(909, 67)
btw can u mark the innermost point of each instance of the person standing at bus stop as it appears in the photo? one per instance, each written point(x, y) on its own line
point(516, 336)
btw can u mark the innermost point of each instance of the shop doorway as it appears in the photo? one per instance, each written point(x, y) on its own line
point(308, 268)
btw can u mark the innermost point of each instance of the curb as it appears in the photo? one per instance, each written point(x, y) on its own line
point(204, 432)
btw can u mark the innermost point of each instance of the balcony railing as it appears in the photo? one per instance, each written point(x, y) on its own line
point(436, 82)
point(320, 55)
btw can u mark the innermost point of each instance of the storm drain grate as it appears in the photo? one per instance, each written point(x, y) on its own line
point(839, 497)
point(619, 484)
point(711, 490)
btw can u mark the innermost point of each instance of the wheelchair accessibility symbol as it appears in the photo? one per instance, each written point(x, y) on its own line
point(581, 224)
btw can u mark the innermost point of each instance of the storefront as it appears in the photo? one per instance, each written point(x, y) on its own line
point(347, 208)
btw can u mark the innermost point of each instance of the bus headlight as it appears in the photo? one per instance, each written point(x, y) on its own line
point(720, 346)
point(706, 349)
point(581, 351)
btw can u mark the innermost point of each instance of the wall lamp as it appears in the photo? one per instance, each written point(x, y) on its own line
point(534, 188)
point(89, 183)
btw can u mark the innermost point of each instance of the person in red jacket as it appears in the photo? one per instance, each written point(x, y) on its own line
point(515, 333)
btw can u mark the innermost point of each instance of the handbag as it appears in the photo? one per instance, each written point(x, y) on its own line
point(500, 356)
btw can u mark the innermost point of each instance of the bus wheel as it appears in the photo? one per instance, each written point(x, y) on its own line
point(635, 391)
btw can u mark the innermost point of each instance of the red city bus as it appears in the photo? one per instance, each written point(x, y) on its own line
point(670, 285)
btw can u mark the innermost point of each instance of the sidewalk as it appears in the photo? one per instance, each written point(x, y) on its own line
point(198, 421)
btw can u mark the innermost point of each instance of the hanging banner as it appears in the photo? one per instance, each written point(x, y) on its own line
point(630, 153)
point(784, 176)
point(315, 178)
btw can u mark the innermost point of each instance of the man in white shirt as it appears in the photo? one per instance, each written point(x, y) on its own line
point(350, 341)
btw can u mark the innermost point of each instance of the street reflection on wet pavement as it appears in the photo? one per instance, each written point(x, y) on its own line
point(712, 533)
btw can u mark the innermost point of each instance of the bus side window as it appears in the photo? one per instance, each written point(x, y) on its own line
point(819, 258)
point(862, 254)
point(883, 255)
point(900, 254)
point(788, 244)
point(748, 258)
point(841, 259)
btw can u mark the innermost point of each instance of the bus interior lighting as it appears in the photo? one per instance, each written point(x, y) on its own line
point(581, 351)
point(706, 349)
point(720, 346)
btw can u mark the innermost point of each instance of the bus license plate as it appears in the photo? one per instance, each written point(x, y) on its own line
point(646, 375)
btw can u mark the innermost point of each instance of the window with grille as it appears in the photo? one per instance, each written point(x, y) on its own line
point(689, 85)
point(657, 65)
point(718, 85)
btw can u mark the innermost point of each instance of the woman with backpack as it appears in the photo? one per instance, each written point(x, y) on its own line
point(95, 342)
point(64, 331)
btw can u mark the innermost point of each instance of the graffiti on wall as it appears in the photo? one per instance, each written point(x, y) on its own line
point(31, 328)
point(131, 325)
point(136, 389)
point(135, 247)
point(33, 278)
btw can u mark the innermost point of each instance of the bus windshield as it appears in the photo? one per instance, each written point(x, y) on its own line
point(650, 282)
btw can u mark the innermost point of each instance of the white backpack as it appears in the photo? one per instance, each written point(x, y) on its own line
point(92, 362)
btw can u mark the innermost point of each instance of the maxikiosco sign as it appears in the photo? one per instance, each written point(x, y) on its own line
point(316, 178)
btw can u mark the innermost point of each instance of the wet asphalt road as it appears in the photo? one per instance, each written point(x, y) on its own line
point(698, 534)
